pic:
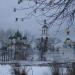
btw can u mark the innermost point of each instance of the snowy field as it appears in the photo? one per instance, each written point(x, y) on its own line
point(6, 70)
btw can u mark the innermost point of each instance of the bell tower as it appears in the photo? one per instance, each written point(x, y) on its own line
point(67, 34)
point(45, 30)
point(68, 41)
point(44, 41)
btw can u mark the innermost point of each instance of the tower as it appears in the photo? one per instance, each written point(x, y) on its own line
point(44, 41)
point(45, 30)
point(68, 41)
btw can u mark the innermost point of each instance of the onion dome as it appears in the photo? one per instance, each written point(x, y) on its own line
point(11, 37)
point(17, 34)
point(25, 37)
point(46, 38)
point(68, 41)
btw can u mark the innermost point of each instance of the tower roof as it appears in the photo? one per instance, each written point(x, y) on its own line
point(25, 37)
point(17, 34)
point(10, 37)
point(45, 26)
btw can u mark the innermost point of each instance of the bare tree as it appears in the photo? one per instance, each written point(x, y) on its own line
point(61, 11)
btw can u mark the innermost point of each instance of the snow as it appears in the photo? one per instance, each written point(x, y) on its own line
point(40, 71)
point(6, 70)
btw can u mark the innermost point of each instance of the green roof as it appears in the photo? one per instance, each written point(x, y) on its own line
point(68, 39)
point(17, 34)
point(25, 37)
point(10, 37)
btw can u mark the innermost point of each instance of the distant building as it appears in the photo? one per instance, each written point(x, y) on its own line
point(16, 47)
point(44, 43)
point(67, 49)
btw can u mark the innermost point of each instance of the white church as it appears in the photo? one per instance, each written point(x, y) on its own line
point(43, 48)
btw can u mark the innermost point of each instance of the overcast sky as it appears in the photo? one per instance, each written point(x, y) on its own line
point(7, 19)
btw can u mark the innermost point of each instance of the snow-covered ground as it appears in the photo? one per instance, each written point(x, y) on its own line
point(40, 71)
point(6, 70)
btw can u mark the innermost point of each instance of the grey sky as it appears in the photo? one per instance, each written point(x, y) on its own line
point(7, 18)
